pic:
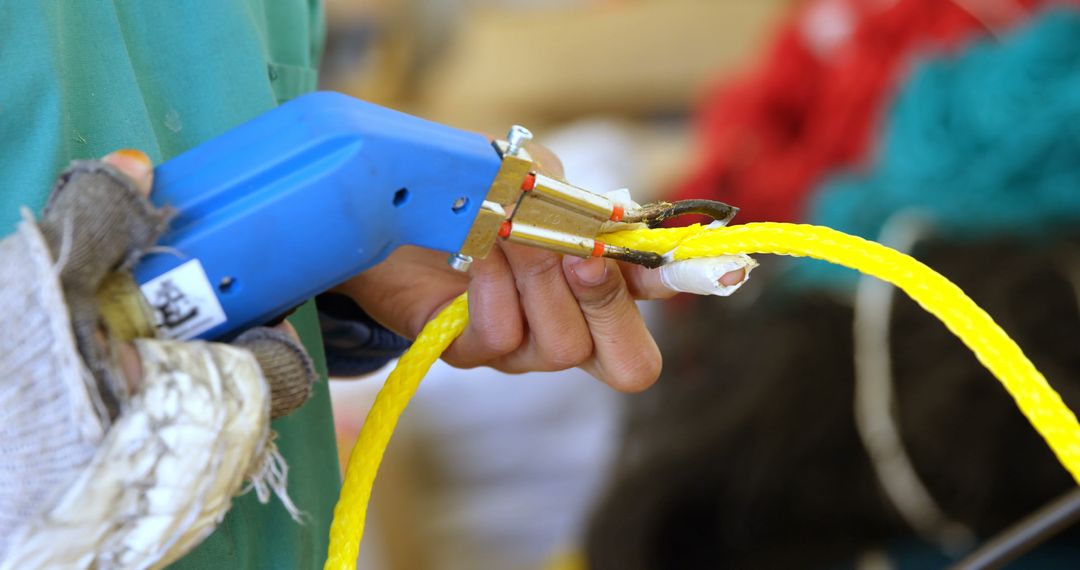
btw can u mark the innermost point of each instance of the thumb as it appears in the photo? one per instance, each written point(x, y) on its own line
point(135, 165)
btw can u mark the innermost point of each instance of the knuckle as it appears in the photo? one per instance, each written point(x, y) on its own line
point(459, 361)
point(568, 354)
point(543, 266)
point(606, 299)
point(499, 338)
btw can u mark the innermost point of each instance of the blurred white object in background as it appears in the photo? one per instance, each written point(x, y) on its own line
point(488, 470)
point(515, 463)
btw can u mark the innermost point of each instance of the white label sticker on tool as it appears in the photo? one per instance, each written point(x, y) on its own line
point(184, 302)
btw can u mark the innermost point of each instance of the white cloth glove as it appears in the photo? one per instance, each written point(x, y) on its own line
point(95, 473)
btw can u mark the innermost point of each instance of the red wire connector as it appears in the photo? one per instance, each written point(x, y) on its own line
point(530, 182)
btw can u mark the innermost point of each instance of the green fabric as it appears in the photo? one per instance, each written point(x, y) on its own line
point(80, 78)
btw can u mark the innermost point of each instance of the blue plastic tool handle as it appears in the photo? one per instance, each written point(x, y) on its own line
point(300, 199)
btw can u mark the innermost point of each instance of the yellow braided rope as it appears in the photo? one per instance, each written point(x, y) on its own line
point(940, 297)
point(995, 350)
point(351, 510)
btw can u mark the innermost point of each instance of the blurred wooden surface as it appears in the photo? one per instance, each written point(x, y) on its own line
point(540, 66)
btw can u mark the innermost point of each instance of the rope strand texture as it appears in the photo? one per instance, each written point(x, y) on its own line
point(351, 511)
point(1042, 406)
point(995, 350)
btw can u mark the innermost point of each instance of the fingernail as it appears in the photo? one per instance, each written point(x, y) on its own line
point(133, 162)
point(732, 278)
point(589, 271)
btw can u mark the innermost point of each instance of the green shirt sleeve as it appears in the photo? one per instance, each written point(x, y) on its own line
point(80, 79)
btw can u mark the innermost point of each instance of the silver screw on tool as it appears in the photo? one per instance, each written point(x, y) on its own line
point(516, 138)
point(460, 262)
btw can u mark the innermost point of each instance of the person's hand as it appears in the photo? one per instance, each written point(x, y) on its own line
point(529, 309)
point(103, 434)
point(267, 346)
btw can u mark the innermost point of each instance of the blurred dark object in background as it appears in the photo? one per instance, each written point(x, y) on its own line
point(746, 454)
